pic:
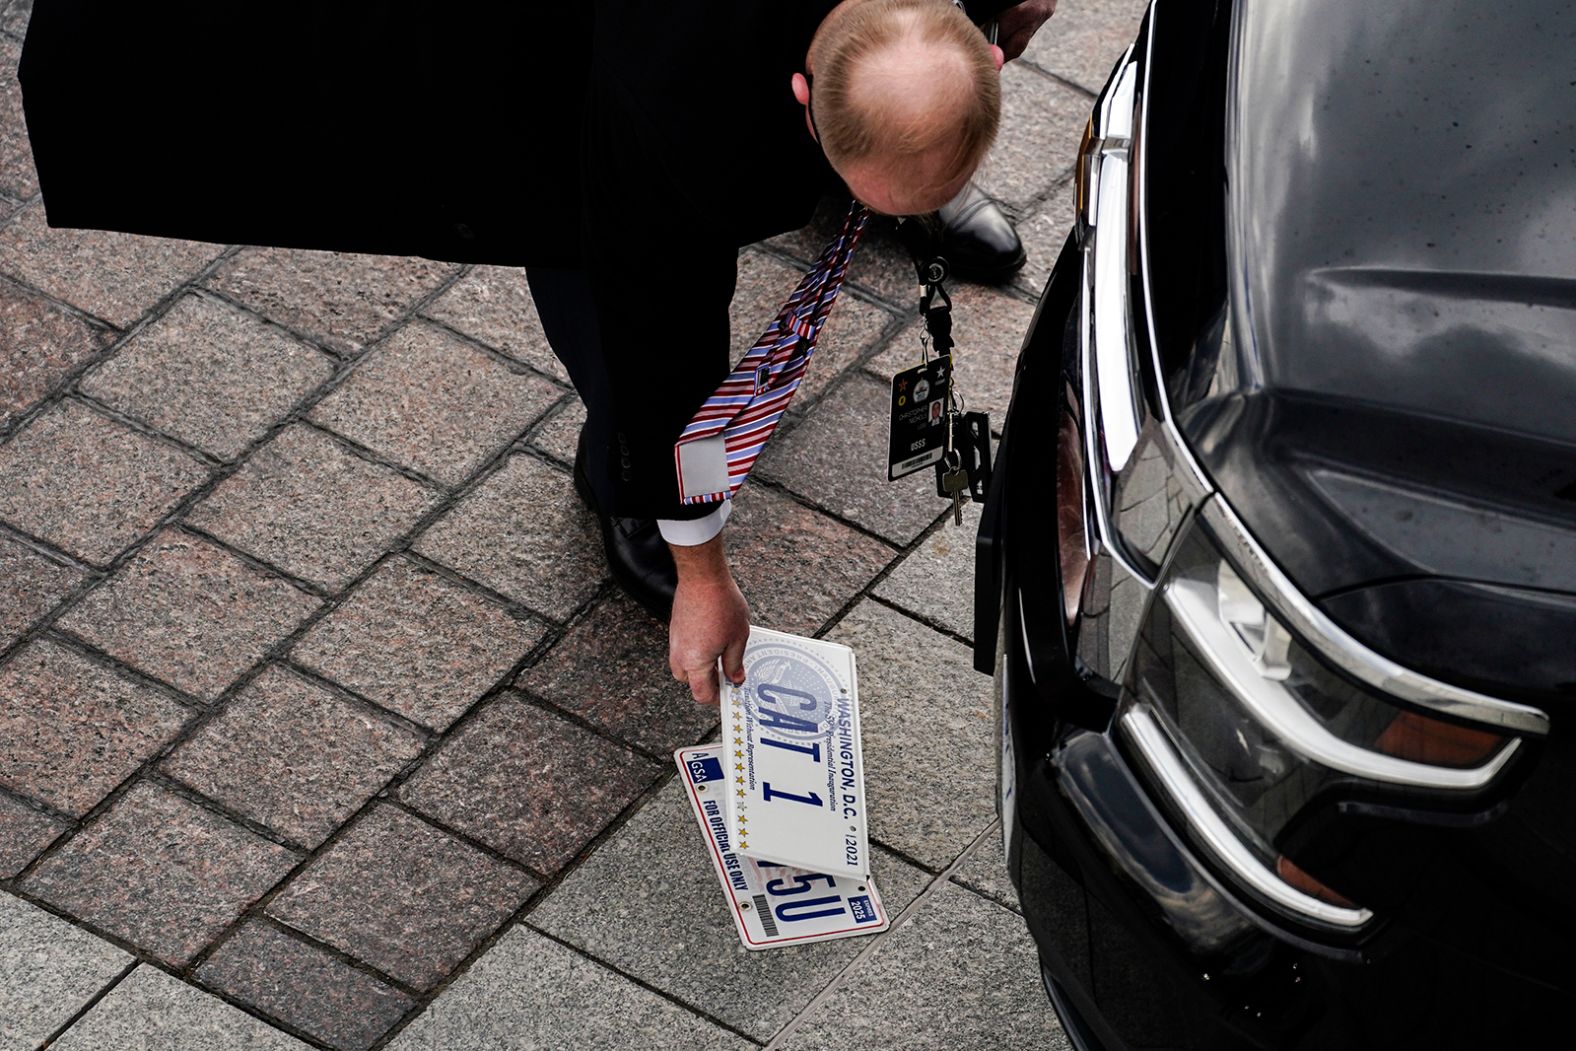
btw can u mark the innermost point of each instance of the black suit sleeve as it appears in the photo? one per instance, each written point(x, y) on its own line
point(662, 267)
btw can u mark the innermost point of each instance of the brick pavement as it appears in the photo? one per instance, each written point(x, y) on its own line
point(321, 724)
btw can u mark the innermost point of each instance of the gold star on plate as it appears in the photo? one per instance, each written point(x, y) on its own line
point(744, 846)
point(738, 766)
point(741, 793)
point(742, 822)
point(739, 778)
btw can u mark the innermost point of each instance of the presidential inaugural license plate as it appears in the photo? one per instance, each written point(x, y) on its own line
point(797, 784)
point(773, 904)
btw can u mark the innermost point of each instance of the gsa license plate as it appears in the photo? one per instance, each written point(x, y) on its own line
point(791, 733)
point(773, 904)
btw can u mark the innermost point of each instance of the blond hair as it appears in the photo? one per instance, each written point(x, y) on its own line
point(952, 103)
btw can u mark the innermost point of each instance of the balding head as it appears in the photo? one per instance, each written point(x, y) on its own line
point(906, 100)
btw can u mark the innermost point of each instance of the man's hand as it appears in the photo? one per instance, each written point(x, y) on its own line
point(710, 620)
point(1017, 24)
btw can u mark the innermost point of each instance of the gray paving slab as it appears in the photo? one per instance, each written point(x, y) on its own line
point(926, 717)
point(528, 993)
point(48, 971)
point(493, 305)
point(1043, 121)
point(24, 833)
point(648, 902)
point(936, 579)
point(1043, 235)
point(1082, 41)
point(960, 975)
point(558, 434)
point(209, 374)
point(985, 871)
point(30, 585)
point(152, 1011)
point(41, 343)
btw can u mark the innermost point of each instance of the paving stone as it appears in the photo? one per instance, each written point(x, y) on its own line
point(880, 264)
point(343, 300)
point(961, 975)
point(17, 176)
point(210, 375)
point(402, 896)
point(493, 305)
point(72, 729)
point(304, 987)
point(558, 436)
point(48, 970)
point(837, 459)
point(188, 612)
point(530, 784)
point(24, 833)
point(531, 994)
point(524, 534)
point(1041, 123)
point(16, 16)
point(611, 669)
point(417, 643)
point(308, 505)
point(936, 579)
point(1043, 235)
point(161, 872)
point(985, 871)
point(40, 345)
point(114, 276)
point(1082, 42)
point(30, 586)
point(153, 1010)
point(796, 567)
point(648, 903)
point(426, 399)
point(293, 756)
point(989, 327)
point(764, 285)
point(88, 484)
point(928, 734)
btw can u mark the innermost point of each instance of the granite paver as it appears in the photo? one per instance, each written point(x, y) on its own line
point(17, 177)
point(395, 892)
point(558, 435)
point(1082, 42)
point(493, 305)
point(523, 533)
point(72, 729)
point(528, 783)
point(343, 300)
point(88, 484)
point(648, 903)
point(417, 643)
point(611, 669)
point(797, 567)
point(532, 994)
point(308, 505)
point(292, 755)
point(928, 728)
point(189, 612)
point(209, 374)
point(962, 975)
point(114, 276)
point(24, 833)
point(41, 343)
point(985, 871)
point(152, 1010)
point(49, 970)
point(429, 401)
point(30, 586)
point(936, 579)
point(1043, 235)
point(16, 15)
point(304, 987)
point(1023, 165)
point(837, 459)
point(161, 872)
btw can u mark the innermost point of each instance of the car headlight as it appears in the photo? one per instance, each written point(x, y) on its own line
point(1244, 724)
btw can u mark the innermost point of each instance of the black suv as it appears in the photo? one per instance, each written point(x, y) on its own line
point(1280, 559)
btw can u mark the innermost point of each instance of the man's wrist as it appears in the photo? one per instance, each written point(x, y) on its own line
point(701, 563)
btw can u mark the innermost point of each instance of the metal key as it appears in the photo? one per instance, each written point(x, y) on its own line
point(955, 482)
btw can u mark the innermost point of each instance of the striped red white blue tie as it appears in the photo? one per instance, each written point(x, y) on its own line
point(719, 445)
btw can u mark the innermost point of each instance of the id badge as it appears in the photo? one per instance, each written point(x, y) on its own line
point(919, 413)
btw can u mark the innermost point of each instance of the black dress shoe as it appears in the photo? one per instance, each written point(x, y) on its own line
point(636, 552)
point(977, 240)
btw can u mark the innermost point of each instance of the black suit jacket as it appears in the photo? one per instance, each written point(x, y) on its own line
point(643, 142)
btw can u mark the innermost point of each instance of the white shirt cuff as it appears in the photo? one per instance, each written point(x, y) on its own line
point(688, 532)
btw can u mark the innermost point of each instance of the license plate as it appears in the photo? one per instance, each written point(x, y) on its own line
point(791, 735)
point(772, 904)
